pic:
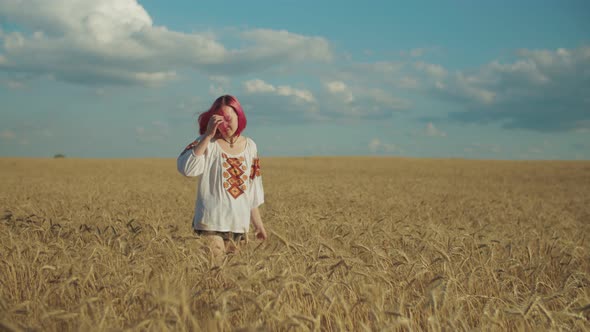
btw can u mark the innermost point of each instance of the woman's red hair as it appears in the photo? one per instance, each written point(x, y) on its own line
point(225, 100)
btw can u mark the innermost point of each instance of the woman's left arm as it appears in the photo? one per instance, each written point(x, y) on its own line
point(258, 225)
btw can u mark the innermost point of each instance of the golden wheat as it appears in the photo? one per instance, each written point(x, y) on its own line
point(355, 244)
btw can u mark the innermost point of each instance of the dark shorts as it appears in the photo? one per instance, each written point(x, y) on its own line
point(226, 236)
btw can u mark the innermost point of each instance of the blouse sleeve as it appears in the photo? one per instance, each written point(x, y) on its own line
point(257, 190)
point(188, 164)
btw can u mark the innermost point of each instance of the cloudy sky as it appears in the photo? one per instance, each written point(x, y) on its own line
point(468, 79)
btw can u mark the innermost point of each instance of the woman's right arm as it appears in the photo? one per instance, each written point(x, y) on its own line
point(191, 161)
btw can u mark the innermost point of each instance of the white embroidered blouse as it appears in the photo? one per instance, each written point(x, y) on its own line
point(229, 188)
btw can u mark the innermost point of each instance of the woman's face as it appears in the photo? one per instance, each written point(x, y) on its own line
point(230, 121)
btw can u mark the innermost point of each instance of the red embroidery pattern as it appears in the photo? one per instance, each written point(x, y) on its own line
point(255, 169)
point(190, 146)
point(234, 176)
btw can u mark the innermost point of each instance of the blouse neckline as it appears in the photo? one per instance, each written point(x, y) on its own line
point(231, 154)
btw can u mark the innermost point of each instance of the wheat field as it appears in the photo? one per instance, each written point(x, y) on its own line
point(380, 244)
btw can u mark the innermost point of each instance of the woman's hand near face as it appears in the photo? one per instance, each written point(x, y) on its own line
point(213, 124)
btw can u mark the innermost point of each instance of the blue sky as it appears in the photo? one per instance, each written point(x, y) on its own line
point(125, 78)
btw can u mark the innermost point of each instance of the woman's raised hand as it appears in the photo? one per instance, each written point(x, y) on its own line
point(214, 122)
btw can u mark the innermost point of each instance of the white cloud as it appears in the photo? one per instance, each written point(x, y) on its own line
point(434, 70)
point(543, 90)
point(115, 42)
point(104, 19)
point(407, 82)
point(459, 84)
point(270, 103)
point(523, 69)
point(374, 145)
point(466, 87)
point(377, 146)
point(155, 77)
point(336, 86)
point(431, 130)
point(305, 95)
point(341, 89)
point(259, 86)
point(359, 101)
point(382, 74)
point(336, 101)
point(7, 134)
point(281, 43)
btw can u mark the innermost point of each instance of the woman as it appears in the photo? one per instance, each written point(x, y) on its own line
point(230, 189)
